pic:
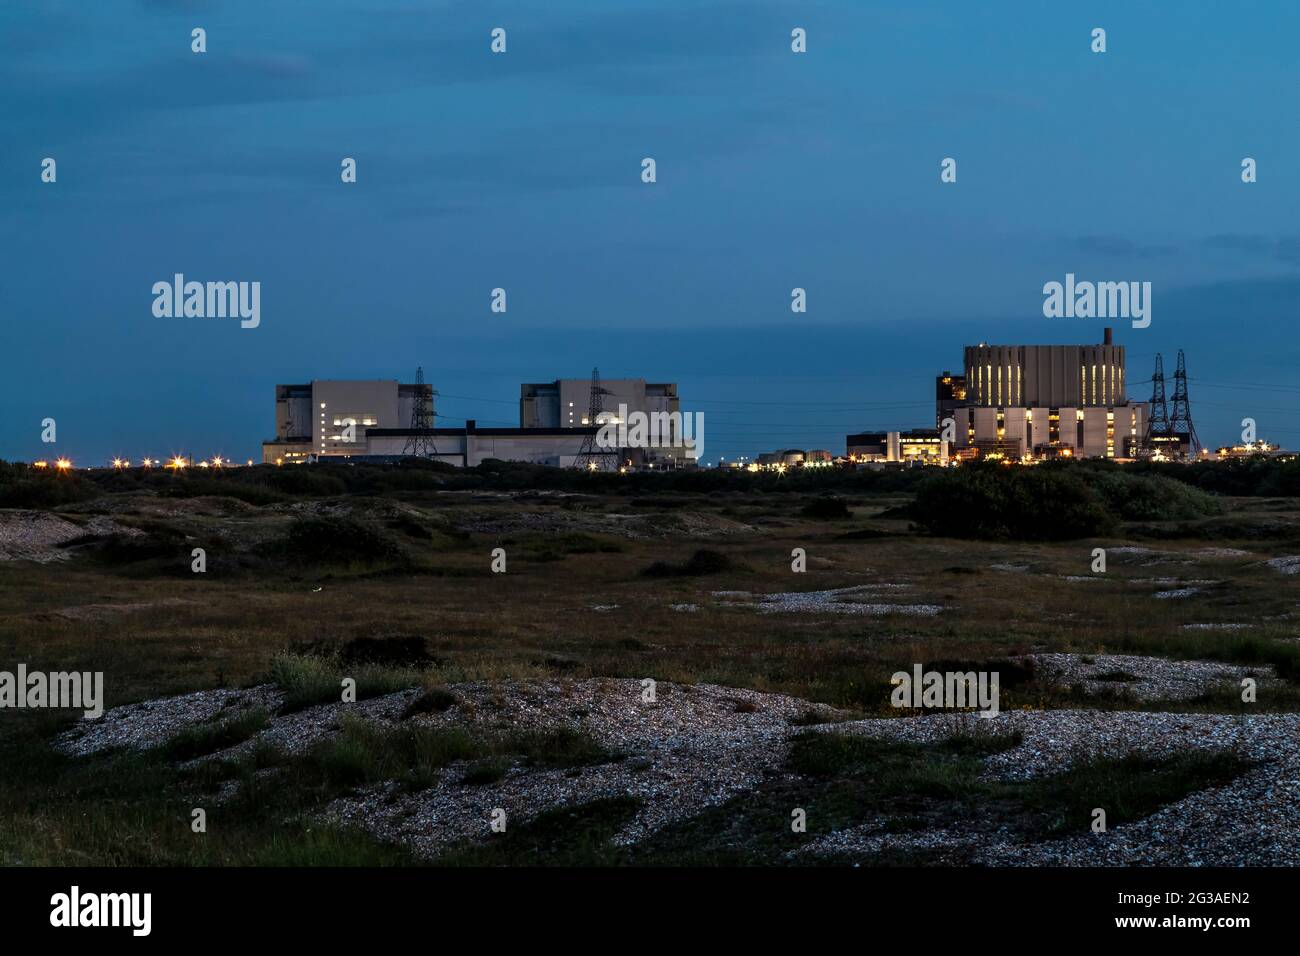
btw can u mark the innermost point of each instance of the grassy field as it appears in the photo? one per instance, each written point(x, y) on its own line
point(586, 593)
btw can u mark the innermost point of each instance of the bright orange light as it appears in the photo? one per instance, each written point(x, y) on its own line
point(118, 463)
point(216, 461)
point(177, 462)
point(40, 464)
point(63, 464)
point(148, 462)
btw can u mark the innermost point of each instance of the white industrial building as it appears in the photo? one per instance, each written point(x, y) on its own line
point(360, 419)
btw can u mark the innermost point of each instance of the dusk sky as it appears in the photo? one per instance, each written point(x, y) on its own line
point(523, 171)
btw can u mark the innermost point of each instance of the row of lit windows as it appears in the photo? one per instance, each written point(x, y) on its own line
point(1014, 384)
point(1111, 379)
point(991, 389)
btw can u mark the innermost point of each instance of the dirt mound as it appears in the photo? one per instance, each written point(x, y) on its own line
point(39, 535)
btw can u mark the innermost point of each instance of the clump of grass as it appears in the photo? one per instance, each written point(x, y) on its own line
point(949, 768)
point(431, 700)
point(368, 752)
point(308, 680)
point(978, 743)
point(1127, 788)
point(204, 739)
point(810, 718)
point(568, 836)
point(488, 770)
point(562, 747)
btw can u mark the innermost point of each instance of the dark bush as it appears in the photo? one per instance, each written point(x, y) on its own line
point(433, 700)
point(826, 509)
point(398, 651)
point(701, 562)
point(1153, 498)
point(22, 486)
point(992, 501)
point(338, 541)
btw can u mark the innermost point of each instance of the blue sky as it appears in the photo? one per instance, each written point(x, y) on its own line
point(522, 171)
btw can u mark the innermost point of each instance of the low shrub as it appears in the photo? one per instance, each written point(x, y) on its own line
point(701, 562)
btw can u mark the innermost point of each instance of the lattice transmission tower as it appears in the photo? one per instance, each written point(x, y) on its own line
point(1180, 422)
point(591, 456)
point(420, 442)
point(1158, 417)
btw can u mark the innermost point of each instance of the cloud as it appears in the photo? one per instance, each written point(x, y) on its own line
point(1121, 247)
point(1265, 248)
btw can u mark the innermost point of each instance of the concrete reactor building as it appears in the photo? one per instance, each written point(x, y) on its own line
point(566, 403)
point(313, 419)
point(375, 420)
point(1042, 401)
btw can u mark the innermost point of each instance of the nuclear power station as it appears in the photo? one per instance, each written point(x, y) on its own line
point(1041, 401)
point(386, 420)
point(1036, 402)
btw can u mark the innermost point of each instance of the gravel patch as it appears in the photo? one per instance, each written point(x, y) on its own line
point(153, 722)
point(1145, 678)
point(1287, 564)
point(694, 747)
point(1252, 821)
point(39, 536)
point(835, 601)
point(1176, 593)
